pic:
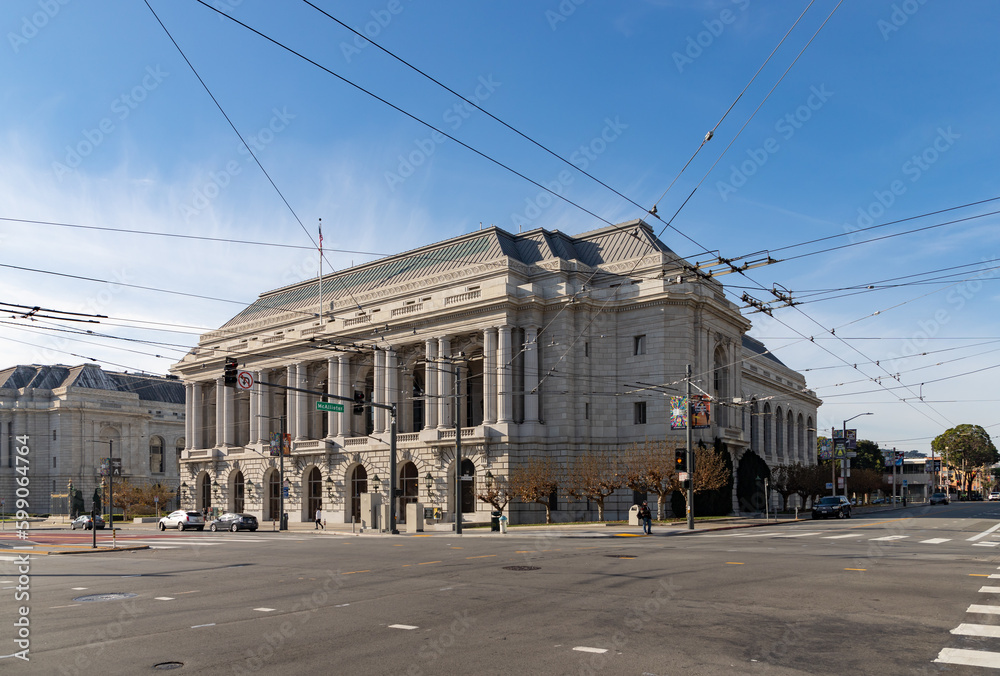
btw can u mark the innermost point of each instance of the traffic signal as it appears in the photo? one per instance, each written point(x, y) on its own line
point(229, 374)
point(359, 403)
point(680, 460)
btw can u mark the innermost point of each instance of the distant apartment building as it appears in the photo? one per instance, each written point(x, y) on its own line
point(71, 417)
point(526, 345)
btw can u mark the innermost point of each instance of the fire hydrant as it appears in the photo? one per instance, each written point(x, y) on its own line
point(503, 524)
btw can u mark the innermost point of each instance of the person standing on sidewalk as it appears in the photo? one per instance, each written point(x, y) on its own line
point(319, 520)
point(647, 518)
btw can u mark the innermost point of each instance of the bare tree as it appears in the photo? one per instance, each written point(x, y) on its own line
point(782, 482)
point(710, 471)
point(535, 481)
point(497, 493)
point(594, 476)
point(649, 468)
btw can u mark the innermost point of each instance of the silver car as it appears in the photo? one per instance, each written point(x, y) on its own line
point(182, 519)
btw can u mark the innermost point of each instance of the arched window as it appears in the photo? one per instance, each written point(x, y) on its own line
point(468, 486)
point(238, 493)
point(315, 488)
point(409, 484)
point(810, 442)
point(800, 440)
point(766, 446)
point(205, 490)
point(754, 427)
point(273, 495)
point(779, 440)
point(720, 383)
point(156, 455)
point(790, 436)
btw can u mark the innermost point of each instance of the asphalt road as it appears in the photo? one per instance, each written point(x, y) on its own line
point(882, 594)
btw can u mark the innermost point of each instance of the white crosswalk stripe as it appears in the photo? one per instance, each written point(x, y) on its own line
point(972, 658)
point(889, 537)
point(935, 541)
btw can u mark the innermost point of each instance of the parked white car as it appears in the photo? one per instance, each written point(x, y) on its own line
point(994, 495)
point(182, 519)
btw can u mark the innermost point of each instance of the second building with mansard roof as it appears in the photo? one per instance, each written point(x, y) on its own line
point(556, 340)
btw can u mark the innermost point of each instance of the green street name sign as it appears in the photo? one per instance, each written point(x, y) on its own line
point(329, 406)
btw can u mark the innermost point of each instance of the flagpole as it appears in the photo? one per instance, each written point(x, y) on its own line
point(321, 273)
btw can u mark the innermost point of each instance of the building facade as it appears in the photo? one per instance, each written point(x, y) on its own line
point(520, 345)
point(71, 417)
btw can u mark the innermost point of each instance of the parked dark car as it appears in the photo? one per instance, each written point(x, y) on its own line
point(832, 506)
point(84, 521)
point(939, 499)
point(234, 522)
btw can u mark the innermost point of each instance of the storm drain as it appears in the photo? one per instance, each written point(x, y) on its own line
point(168, 665)
point(520, 568)
point(114, 596)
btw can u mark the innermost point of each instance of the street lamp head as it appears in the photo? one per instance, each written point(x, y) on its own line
point(428, 481)
point(376, 483)
point(489, 479)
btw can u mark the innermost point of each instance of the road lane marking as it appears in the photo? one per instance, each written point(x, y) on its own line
point(837, 537)
point(987, 630)
point(985, 544)
point(797, 535)
point(862, 570)
point(486, 556)
point(352, 572)
point(163, 598)
point(972, 658)
point(73, 588)
point(585, 649)
point(74, 605)
point(935, 541)
point(982, 575)
point(989, 590)
point(199, 626)
point(264, 610)
point(889, 537)
point(986, 610)
point(408, 627)
point(425, 563)
point(735, 563)
point(983, 534)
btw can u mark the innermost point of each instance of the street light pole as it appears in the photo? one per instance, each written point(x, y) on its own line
point(458, 451)
point(846, 461)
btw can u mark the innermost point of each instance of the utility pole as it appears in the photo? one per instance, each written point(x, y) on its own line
point(281, 478)
point(690, 451)
point(392, 471)
point(458, 451)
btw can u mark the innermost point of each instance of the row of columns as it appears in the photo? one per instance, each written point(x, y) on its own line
point(439, 390)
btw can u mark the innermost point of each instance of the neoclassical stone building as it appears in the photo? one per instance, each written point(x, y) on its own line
point(554, 337)
point(73, 416)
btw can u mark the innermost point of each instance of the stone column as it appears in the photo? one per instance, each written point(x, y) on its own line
point(391, 383)
point(254, 409)
point(197, 433)
point(332, 419)
point(229, 429)
point(301, 423)
point(430, 384)
point(530, 374)
point(264, 408)
point(489, 376)
point(344, 383)
point(188, 415)
point(289, 412)
point(505, 408)
point(378, 391)
point(220, 412)
point(445, 380)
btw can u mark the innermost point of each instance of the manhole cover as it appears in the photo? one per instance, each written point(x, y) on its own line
point(522, 568)
point(168, 665)
point(115, 596)
point(620, 556)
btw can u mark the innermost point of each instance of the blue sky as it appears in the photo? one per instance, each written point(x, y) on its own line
point(888, 114)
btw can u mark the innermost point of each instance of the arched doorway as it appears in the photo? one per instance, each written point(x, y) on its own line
point(408, 484)
point(468, 486)
point(750, 477)
point(314, 494)
point(205, 491)
point(238, 493)
point(359, 485)
point(273, 488)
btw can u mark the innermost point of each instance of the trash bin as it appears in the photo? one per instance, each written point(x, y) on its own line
point(284, 521)
point(495, 521)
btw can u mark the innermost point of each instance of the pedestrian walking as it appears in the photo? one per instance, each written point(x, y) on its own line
point(647, 518)
point(319, 520)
